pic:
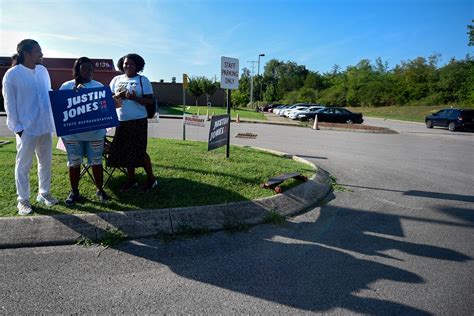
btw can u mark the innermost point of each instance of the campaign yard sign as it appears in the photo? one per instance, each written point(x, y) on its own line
point(218, 131)
point(83, 110)
point(194, 120)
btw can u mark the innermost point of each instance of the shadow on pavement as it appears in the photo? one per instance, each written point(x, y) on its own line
point(441, 196)
point(314, 266)
point(427, 194)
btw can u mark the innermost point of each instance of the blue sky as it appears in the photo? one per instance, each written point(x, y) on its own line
point(190, 36)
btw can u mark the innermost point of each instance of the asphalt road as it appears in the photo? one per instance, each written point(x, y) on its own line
point(400, 241)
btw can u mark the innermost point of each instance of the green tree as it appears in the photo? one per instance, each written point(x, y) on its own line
point(195, 87)
point(315, 81)
point(335, 94)
point(283, 77)
point(270, 94)
point(308, 95)
point(415, 80)
point(456, 81)
point(208, 87)
point(239, 98)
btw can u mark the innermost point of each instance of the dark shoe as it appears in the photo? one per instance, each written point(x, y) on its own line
point(149, 185)
point(103, 197)
point(128, 185)
point(73, 198)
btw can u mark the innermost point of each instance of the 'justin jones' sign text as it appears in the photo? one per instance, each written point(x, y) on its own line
point(82, 110)
point(229, 73)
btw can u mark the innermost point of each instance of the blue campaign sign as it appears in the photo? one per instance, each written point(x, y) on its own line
point(83, 110)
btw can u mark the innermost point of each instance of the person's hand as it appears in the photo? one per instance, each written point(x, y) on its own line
point(117, 102)
point(131, 96)
point(120, 95)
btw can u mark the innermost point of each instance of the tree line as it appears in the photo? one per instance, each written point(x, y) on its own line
point(413, 82)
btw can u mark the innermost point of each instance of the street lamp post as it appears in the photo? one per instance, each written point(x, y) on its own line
point(258, 74)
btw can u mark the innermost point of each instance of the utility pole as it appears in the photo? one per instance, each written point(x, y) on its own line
point(258, 74)
point(251, 79)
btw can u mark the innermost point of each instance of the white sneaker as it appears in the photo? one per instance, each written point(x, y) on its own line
point(46, 199)
point(24, 207)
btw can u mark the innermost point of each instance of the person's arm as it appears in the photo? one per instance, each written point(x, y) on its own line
point(9, 95)
point(147, 99)
point(147, 89)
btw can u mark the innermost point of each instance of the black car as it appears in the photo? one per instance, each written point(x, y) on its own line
point(453, 119)
point(337, 115)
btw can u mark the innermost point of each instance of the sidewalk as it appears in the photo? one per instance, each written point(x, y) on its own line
point(68, 229)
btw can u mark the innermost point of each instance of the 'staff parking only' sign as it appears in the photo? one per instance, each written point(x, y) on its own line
point(229, 73)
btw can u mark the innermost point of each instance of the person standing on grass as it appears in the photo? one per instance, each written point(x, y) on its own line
point(25, 91)
point(128, 149)
point(90, 144)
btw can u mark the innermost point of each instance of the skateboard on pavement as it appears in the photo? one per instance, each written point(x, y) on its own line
point(275, 181)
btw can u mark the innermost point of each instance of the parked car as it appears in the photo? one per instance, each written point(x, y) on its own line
point(294, 106)
point(453, 119)
point(280, 108)
point(303, 114)
point(269, 107)
point(337, 115)
point(290, 112)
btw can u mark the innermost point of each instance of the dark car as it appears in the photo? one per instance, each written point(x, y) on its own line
point(269, 107)
point(453, 119)
point(337, 115)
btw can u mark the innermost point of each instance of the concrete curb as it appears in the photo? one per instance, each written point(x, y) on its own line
point(67, 229)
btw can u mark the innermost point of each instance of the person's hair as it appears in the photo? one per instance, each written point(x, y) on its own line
point(139, 62)
point(76, 71)
point(25, 45)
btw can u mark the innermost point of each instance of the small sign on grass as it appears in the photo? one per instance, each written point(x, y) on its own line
point(219, 131)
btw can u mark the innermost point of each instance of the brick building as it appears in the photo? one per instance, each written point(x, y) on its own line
point(169, 93)
point(60, 70)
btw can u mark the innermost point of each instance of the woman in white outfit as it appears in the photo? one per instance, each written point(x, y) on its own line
point(25, 91)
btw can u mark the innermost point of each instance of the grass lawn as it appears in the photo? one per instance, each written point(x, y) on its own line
point(187, 173)
point(404, 113)
point(243, 113)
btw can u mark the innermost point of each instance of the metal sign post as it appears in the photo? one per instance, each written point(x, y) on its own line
point(185, 86)
point(229, 81)
point(229, 98)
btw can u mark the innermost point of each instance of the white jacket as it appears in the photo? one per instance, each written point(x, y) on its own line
point(26, 97)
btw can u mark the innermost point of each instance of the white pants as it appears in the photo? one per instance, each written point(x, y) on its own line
point(26, 145)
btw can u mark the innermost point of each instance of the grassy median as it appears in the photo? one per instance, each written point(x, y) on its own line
point(187, 173)
point(403, 113)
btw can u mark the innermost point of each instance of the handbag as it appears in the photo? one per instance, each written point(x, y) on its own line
point(153, 108)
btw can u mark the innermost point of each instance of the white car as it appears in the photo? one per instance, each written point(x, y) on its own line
point(283, 113)
point(290, 113)
point(294, 106)
point(298, 115)
point(278, 109)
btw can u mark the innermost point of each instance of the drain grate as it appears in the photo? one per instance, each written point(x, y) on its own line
point(246, 135)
